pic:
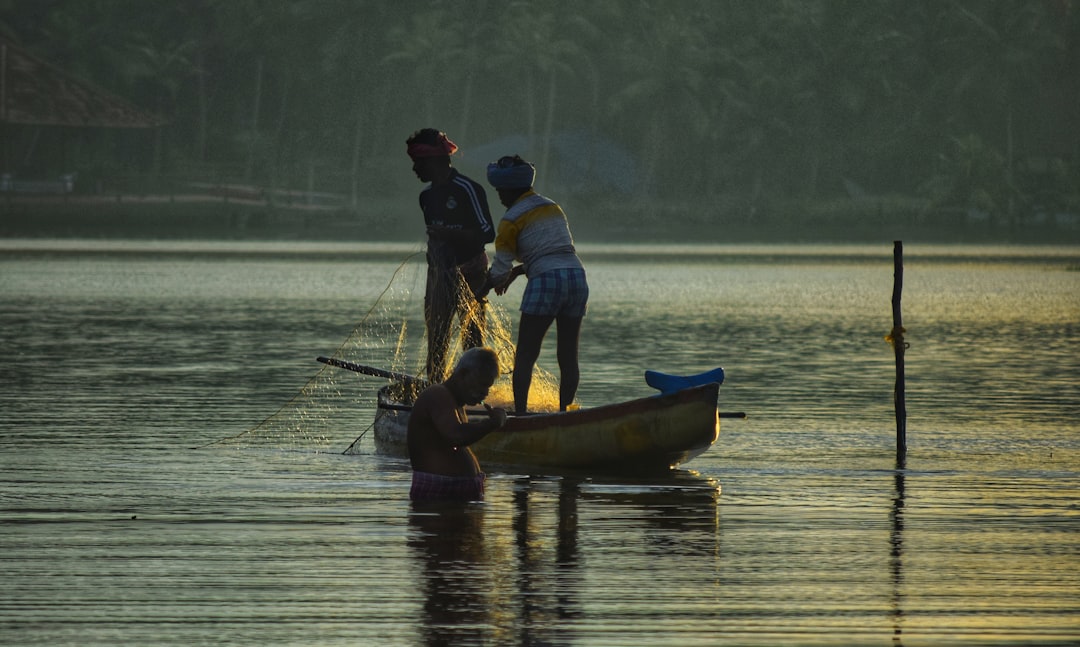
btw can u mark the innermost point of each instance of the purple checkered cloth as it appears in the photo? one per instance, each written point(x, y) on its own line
point(437, 487)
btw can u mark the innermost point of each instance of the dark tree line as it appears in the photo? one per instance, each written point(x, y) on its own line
point(963, 104)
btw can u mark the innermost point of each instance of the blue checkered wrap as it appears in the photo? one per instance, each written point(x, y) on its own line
point(556, 293)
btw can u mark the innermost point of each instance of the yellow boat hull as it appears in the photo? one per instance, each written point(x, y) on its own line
point(650, 434)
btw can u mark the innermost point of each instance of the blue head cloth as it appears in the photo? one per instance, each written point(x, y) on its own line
point(511, 173)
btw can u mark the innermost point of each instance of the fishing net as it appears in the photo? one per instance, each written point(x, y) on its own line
point(337, 405)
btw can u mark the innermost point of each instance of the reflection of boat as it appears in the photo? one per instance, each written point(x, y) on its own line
point(649, 434)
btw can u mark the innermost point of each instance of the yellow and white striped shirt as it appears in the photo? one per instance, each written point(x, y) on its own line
point(535, 232)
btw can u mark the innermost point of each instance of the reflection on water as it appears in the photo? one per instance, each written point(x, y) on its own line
point(512, 571)
point(114, 531)
point(896, 552)
point(448, 540)
point(548, 579)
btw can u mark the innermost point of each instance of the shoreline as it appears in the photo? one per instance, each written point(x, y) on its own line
point(208, 217)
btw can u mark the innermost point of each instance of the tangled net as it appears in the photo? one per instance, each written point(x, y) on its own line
point(337, 404)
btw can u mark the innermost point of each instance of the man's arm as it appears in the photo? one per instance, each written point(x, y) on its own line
point(502, 287)
point(445, 420)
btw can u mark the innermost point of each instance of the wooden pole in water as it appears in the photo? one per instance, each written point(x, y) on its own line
point(896, 337)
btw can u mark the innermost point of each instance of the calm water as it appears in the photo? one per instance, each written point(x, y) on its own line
point(797, 528)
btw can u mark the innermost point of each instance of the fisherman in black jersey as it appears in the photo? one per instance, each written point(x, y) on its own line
point(458, 227)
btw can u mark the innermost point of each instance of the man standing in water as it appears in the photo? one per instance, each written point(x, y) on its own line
point(444, 468)
point(458, 227)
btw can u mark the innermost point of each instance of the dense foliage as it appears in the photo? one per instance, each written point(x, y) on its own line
point(963, 106)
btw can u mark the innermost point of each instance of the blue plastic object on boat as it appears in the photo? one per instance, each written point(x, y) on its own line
point(668, 383)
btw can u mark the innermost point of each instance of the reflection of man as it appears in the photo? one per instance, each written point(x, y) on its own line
point(458, 227)
point(444, 468)
point(457, 575)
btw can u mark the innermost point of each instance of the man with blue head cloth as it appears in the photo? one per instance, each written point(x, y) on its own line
point(534, 232)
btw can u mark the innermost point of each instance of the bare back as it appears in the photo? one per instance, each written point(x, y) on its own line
point(439, 433)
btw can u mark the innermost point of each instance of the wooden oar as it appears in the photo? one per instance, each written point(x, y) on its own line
point(390, 375)
point(370, 370)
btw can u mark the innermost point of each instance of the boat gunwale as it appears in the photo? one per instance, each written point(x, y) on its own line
point(553, 419)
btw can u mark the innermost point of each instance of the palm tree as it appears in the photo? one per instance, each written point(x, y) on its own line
point(668, 89)
point(538, 49)
point(996, 56)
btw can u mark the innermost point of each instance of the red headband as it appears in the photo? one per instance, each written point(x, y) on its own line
point(445, 147)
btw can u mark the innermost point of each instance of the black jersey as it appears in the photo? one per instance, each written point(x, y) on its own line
point(458, 203)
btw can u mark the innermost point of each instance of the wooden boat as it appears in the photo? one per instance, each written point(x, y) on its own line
point(646, 435)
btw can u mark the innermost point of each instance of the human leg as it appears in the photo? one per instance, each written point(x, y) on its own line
point(473, 311)
point(568, 330)
point(439, 306)
point(438, 341)
point(531, 331)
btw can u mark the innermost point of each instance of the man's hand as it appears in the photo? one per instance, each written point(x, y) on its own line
point(515, 272)
point(498, 417)
point(482, 292)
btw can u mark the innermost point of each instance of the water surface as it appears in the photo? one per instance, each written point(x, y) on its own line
point(797, 528)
